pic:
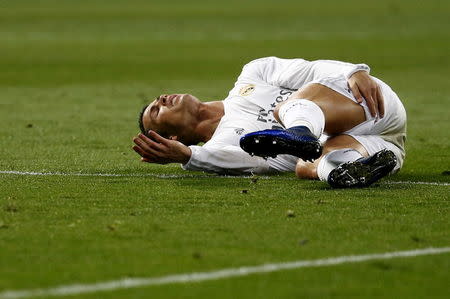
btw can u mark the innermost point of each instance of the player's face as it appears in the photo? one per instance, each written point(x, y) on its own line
point(171, 115)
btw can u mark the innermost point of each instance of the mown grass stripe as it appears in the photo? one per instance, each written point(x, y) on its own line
point(127, 283)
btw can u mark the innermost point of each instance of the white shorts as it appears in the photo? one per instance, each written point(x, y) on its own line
point(374, 134)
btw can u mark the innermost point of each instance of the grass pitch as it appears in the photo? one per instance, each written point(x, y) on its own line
point(73, 78)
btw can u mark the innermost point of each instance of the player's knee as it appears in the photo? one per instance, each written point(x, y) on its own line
point(276, 112)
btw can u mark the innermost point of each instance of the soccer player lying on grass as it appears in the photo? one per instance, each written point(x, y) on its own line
point(322, 119)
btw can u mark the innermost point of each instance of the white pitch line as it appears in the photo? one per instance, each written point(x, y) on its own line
point(159, 176)
point(417, 183)
point(127, 283)
point(187, 176)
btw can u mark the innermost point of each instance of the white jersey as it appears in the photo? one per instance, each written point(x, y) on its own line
point(249, 107)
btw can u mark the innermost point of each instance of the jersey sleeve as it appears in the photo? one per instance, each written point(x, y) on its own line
point(222, 154)
point(294, 73)
point(225, 159)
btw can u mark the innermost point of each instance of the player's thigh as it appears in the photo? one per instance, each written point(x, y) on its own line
point(341, 113)
point(308, 170)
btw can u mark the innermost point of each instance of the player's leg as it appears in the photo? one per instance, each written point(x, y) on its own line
point(308, 112)
point(339, 113)
point(353, 161)
point(352, 150)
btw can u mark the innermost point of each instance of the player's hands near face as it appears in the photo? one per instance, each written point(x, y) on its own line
point(364, 87)
point(160, 150)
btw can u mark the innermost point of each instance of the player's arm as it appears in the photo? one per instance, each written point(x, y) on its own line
point(295, 73)
point(225, 159)
point(362, 85)
point(220, 158)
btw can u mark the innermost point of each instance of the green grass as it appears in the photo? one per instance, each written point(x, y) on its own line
point(74, 75)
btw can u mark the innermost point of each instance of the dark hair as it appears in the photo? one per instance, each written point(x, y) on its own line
point(141, 123)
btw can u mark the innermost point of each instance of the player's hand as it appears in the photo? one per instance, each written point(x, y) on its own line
point(160, 150)
point(364, 87)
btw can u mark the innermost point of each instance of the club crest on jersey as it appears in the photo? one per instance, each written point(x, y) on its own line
point(247, 90)
point(239, 131)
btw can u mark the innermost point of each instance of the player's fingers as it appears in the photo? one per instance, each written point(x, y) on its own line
point(148, 154)
point(148, 157)
point(151, 143)
point(158, 138)
point(149, 149)
point(380, 100)
point(155, 160)
point(148, 160)
point(371, 105)
point(375, 103)
point(356, 93)
point(145, 139)
point(140, 151)
point(141, 143)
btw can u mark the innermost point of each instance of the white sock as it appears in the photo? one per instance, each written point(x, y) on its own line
point(301, 112)
point(333, 159)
